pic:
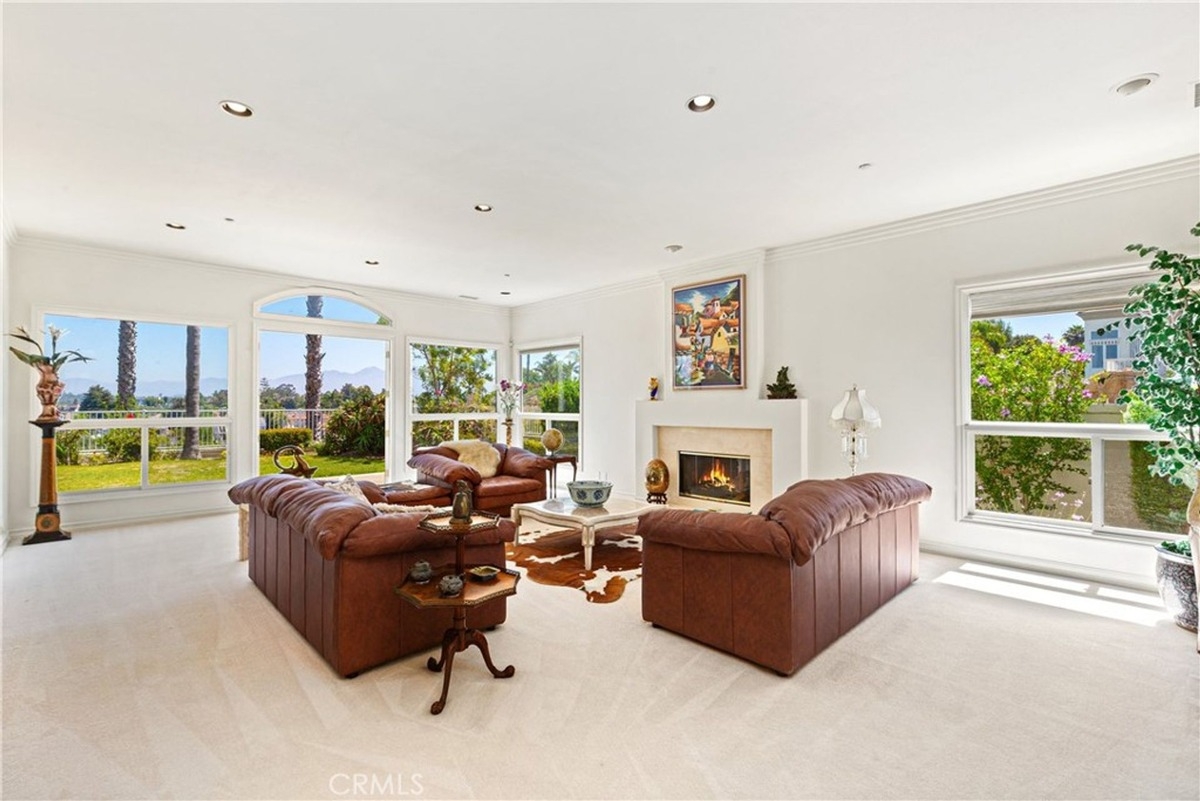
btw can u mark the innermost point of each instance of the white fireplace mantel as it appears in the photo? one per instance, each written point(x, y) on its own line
point(786, 419)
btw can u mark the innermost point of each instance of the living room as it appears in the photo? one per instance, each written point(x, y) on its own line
point(855, 273)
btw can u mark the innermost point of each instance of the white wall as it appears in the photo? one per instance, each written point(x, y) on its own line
point(5, 441)
point(49, 277)
point(624, 342)
point(879, 309)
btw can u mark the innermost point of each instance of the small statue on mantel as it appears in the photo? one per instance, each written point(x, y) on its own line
point(653, 387)
point(783, 388)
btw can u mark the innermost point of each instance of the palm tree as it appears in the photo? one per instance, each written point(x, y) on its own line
point(312, 366)
point(191, 395)
point(127, 365)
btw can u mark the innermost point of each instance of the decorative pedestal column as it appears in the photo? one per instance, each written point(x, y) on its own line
point(48, 522)
point(508, 431)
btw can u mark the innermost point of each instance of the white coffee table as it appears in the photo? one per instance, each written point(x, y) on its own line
point(585, 518)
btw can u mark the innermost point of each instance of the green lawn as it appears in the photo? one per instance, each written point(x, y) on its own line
point(77, 478)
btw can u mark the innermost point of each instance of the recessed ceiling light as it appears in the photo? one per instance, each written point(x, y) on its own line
point(236, 108)
point(866, 165)
point(176, 226)
point(701, 103)
point(505, 292)
point(482, 207)
point(228, 219)
point(673, 248)
point(1136, 84)
point(469, 297)
point(372, 262)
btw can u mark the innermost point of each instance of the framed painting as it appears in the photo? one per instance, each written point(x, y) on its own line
point(707, 331)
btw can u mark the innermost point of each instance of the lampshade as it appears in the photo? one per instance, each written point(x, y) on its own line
point(854, 411)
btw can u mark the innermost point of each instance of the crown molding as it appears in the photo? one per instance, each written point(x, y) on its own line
point(1163, 172)
point(298, 281)
point(744, 261)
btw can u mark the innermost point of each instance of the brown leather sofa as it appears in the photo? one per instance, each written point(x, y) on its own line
point(520, 476)
point(780, 586)
point(331, 564)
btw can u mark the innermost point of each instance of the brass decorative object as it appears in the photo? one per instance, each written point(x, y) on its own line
point(658, 480)
point(299, 467)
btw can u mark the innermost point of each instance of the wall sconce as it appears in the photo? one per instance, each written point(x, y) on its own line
point(853, 416)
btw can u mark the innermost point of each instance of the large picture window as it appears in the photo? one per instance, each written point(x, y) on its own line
point(150, 409)
point(1048, 439)
point(452, 393)
point(551, 376)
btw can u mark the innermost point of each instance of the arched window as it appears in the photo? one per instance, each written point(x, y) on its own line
point(323, 303)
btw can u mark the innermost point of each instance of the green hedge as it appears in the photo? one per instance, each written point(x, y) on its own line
point(1161, 506)
point(272, 439)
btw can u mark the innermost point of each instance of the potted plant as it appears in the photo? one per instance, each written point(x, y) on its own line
point(1165, 313)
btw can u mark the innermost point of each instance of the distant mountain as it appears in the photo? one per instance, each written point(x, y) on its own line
point(170, 389)
point(372, 377)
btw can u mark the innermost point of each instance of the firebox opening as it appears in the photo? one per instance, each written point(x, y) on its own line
point(720, 477)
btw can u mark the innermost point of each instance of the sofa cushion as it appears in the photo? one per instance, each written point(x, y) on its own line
point(507, 485)
point(477, 454)
point(814, 510)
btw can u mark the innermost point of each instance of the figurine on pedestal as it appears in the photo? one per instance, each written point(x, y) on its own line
point(48, 523)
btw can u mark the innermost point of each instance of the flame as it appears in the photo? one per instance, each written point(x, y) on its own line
point(716, 477)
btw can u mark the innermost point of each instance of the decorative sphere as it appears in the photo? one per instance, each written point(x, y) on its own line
point(552, 439)
point(658, 477)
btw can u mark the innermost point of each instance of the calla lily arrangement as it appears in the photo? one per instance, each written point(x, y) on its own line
point(55, 360)
point(509, 395)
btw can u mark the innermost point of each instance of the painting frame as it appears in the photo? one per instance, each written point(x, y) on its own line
point(708, 334)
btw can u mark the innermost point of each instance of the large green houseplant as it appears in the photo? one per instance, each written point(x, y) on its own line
point(1164, 314)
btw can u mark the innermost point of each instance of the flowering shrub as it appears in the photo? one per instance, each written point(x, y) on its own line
point(509, 396)
point(1031, 381)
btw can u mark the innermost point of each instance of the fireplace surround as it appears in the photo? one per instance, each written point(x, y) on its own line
point(772, 433)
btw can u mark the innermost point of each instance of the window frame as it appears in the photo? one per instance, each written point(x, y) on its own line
point(411, 416)
point(1026, 289)
point(561, 343)
point(146, 489)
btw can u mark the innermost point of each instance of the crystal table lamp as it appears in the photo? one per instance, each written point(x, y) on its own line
point(853, 416)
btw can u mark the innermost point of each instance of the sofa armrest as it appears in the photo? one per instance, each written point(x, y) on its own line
point(524, 464)
point(324, 516)
point(723, 532)
point(444, 469)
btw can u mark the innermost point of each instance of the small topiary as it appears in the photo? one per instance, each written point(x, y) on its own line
point(783, 388)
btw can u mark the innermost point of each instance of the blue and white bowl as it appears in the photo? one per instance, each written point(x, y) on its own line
point(589, 493)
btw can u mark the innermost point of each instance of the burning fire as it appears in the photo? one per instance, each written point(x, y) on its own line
point(716, 477)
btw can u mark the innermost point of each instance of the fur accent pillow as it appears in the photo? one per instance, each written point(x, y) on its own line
point(477, 454)
point(348, 486)
point(398, 509)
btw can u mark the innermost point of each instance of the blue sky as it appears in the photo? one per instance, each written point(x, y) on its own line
point(161, 351)
point(1039, 325)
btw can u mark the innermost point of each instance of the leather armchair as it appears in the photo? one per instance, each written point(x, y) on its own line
point(520, 477)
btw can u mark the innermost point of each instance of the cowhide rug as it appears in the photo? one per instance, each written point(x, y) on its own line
point(555, 557)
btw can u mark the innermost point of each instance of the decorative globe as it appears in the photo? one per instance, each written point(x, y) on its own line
point(552, 439)
point(589, 493)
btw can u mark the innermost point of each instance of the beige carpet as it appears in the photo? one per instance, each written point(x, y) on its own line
point(141, 663)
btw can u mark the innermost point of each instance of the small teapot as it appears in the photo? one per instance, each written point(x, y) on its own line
point(421, 572)
point(450, 585)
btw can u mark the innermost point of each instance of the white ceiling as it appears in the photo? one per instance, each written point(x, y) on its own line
point(377, 127)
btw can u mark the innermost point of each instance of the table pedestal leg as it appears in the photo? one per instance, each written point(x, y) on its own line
point(457, 639)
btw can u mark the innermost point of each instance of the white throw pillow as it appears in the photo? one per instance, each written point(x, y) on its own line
point(348, 486)
point(476, 453)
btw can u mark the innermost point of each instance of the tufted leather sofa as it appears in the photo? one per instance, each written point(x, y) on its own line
point(780, 586)
point(520, 476)
point(330, 564)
